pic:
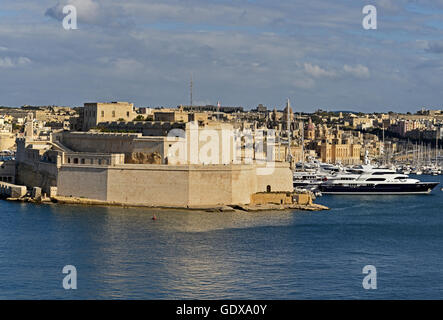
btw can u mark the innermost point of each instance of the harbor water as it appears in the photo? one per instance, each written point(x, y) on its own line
point(122, 253)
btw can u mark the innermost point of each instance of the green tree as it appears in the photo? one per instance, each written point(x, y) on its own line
point(139, 118)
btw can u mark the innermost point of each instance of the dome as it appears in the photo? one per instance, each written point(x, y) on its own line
point(311, 126)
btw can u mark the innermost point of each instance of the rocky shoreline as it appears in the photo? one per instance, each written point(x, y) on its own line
point(230, 208)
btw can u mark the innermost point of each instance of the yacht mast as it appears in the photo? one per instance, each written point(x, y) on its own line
point(288, 130)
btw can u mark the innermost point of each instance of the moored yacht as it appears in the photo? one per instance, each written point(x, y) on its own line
point(366, 179)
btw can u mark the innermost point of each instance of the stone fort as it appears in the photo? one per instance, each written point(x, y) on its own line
point(150, 170)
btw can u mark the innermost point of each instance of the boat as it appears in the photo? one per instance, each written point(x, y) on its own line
point(308, 179)
point(366, 179)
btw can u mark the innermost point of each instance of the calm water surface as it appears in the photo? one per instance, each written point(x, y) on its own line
point(124, 254)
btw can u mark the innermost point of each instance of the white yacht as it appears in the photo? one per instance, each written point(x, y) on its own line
point(366, 179)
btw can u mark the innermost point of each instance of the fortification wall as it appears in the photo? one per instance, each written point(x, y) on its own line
point(167, 185)
point(210, 186)
point(98, 142)
point(278, 177)
point(243, 184)
point(129, 144)
point(153, 185)
point(83, 181)
point(43, 175)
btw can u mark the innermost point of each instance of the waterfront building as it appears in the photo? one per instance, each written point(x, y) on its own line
point(193, 165)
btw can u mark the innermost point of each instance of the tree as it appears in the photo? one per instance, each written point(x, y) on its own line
point(139, 118)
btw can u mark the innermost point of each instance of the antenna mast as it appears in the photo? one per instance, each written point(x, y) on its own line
point(191, 87)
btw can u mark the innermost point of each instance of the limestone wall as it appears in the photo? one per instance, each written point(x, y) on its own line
point(7, 171)
point(278, 176)
point(83, 181)
point(167, 185)
point(154, 185)
point(43, 175)
point(11, 190)
point(272, 197)
point(129, 144)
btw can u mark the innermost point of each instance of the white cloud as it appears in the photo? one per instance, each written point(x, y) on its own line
point(87, 10)
point(358, 71)
point(318, 72)
point(93, 12)
point(8, 62)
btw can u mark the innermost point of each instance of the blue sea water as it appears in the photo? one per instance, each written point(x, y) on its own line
point(121, 253)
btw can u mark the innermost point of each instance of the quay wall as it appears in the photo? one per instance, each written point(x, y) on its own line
point(11, 190)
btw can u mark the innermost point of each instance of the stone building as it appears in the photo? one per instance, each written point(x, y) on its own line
point(95, 113)
point(134, 169)
point(338, 152)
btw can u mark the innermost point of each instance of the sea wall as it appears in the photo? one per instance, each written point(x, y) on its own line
point(11, 190)
point(39, 174)
point(168, 185)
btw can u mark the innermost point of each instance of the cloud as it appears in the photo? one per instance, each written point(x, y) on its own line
point(304, 83)
point(93, 12)
point(434, 47)
point(8, 62)
point(241, 52)
point(358, 71)
point(318, 72)
point(87, 10)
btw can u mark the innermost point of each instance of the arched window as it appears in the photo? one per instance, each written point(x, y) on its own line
point(268, 188)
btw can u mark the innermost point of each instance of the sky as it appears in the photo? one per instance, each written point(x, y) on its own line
point(239, 52)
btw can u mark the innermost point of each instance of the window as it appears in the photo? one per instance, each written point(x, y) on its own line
point(113, 114)
point(127, 114)
point(376, 179)
point(83, 161)
point(75, 160)
point(103, 113)
point(268, 188)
